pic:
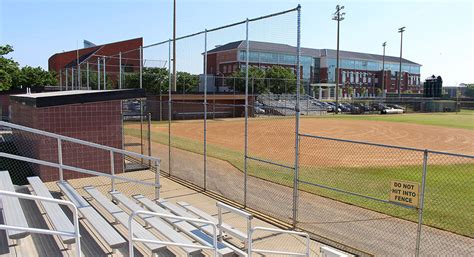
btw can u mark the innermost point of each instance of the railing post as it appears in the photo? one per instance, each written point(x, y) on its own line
point(76, 231)
point(141, 129)
point(149, 138)
point(157, 180)
point(60, 160)
point(112, 171)
point(219, 221)
point(422, 203)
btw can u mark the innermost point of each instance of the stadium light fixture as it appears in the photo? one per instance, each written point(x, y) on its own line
point(400, 30)
point(383, 69)
point(338, 16)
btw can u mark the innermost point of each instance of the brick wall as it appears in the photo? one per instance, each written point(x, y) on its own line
point(99, 122)
point(4, 105)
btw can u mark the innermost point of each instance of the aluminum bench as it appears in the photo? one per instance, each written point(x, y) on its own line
point(192, 231)
point(56, 215)
point(157, 223)
point(12, 211)
point(98, 223)
point(226, 227)
point(122, 218)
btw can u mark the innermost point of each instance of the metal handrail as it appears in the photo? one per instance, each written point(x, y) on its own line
point(244, 214)
point(78, 141)
point(168, 216)
point(74, 234)
point(250, 242)
point(60, 166)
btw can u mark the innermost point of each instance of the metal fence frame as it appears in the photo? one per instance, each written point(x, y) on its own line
point(424, 166)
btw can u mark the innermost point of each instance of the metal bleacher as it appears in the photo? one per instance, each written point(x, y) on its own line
point(170, 229)
point(284, 104)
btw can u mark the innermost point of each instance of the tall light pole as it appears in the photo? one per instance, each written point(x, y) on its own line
point(174, 45)
point(338, 16)
point(383, 69)
point(400, 30)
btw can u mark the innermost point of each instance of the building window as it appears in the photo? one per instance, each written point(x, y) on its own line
point(224, 69)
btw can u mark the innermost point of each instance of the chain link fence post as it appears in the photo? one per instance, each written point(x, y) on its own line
point(422, 202)
point(246, 109)
point(205, 109)
point(120, 70)
point(141, 67)
point(170, 163)
point(297, 119)
point(87, 76)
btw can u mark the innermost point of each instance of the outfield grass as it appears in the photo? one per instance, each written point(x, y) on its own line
point(463, 119)
point(449, 187)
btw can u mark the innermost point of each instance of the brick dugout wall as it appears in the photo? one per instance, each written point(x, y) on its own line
point(98, 122)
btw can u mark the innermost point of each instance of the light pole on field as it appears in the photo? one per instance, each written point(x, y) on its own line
point(400, 30)
point(383, 70)
point(338, 16)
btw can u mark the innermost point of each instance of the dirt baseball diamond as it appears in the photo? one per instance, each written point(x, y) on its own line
point(273, 138)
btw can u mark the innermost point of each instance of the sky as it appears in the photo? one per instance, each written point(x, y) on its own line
point(439, 34)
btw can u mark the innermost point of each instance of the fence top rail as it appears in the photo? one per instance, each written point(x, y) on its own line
point(226, 26)
point(77, 141)
point(387, 146)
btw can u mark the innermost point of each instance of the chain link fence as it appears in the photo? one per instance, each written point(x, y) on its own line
point(338, 190)
point(207, 131)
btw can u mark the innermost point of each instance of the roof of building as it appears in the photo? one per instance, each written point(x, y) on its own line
point(284, 48)
point(47, 99)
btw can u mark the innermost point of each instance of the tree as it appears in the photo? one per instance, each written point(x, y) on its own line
point(378, 92)
point(282, 80)
point(256, 80)
point(276, 79)
point(350, 91)
point(469, 90)
point(11, 76)
point(31, 77)
point(9, 69)
point(153, 80)
point(186, 82)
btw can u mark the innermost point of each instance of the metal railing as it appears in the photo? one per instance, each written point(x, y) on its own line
point(61, 167)
point(74, 233)
point(168, 216)
point(248, 217)
point(280, 231)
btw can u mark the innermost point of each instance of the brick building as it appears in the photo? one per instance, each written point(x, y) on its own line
point(361, 71)
point(94, 116)
point(87, 58)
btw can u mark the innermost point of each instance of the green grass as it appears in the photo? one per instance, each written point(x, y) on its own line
point(449, 187)
point(463, 119)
